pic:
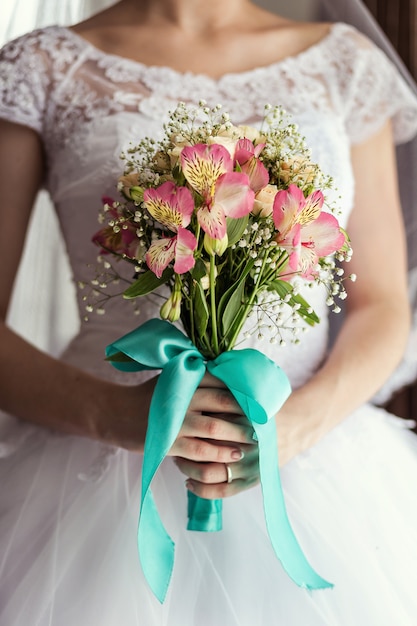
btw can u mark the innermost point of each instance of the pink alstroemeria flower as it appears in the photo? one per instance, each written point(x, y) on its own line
point(172, 207)
point(307, 232)
point(225, 193)
point(121, 241)
point(246, 154)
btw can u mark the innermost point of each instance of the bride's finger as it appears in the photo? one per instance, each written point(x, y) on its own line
point(209, 427)
point(214, 400)
point(201, 450)
point(221, 490)
point(209, 473)
point(212, 473)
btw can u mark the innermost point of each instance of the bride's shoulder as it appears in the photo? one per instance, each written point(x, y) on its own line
point(42, 42)
point(307, 34)
point(288, 38)
point(333, 39)
point(32, 49)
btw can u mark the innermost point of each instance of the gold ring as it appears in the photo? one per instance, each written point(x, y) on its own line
point(229, 473)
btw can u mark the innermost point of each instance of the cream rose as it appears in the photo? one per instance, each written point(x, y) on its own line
point(251, 133)
point(230, 131)
point(179, 142)
point(174, 155)
point(297, 170)
point(264, 201)
point(227, 142)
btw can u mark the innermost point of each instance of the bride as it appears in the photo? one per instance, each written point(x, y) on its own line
point(70, 100)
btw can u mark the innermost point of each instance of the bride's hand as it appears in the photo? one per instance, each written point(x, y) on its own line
point(213, 480)
point(216, 434)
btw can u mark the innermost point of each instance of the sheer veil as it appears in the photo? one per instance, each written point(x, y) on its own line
point(57, 302)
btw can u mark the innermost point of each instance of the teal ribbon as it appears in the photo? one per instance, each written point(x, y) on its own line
point(260, 387)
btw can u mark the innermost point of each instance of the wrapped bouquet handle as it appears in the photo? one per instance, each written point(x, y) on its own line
point(250, 376)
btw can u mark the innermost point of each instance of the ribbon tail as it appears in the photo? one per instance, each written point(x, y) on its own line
point(283, 539)
point(173, 392)
point(260, 387)
point(156, 548)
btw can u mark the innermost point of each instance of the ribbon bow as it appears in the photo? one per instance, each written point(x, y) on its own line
point(260, 387)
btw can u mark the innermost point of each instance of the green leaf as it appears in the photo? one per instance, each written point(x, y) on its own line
point(201, 312)
point(235, 228)
point(282, 288)
point(178, 175)
point(199, 270)
point(233, 306)
point(146, 283)
point(227, 294)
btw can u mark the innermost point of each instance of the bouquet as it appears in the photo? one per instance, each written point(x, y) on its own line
point(231, 219)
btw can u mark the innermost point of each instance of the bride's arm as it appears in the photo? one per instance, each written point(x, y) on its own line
point(374, 333)
point(41, 389)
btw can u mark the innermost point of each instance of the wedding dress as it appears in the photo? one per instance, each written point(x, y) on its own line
point(69, 506)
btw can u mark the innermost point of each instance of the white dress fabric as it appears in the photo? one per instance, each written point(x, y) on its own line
point(69, 506)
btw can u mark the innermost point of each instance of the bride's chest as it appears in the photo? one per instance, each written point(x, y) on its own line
point(100, 107)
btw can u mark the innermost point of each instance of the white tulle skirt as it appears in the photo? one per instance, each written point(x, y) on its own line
point(68, 537)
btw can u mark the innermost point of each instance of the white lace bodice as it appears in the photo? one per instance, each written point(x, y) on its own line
point(88, 105)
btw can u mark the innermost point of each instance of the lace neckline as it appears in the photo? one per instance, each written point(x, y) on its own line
point(299, 57)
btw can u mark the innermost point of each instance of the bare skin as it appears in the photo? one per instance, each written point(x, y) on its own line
point(225, 37)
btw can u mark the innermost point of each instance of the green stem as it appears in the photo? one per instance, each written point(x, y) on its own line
point(191, 301)
point(236, 270)
point(206, 348)
point(248, 306)
point(280, 261)
point(213, 305)
point(243, 317)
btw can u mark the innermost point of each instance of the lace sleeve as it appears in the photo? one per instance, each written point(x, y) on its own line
point(373, 91)
point(24, 81)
